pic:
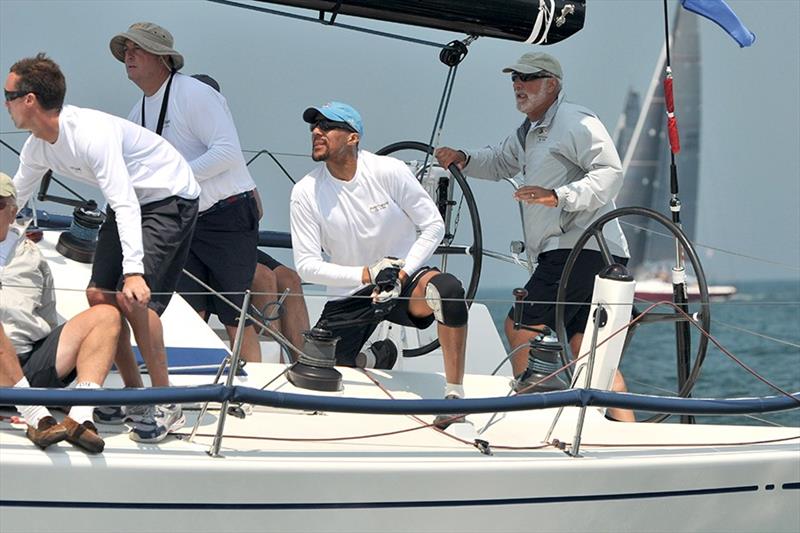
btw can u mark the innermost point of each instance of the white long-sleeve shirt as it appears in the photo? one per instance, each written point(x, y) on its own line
point(132, 166)
point(199, 124)
point(571, 152)
point(382, 212)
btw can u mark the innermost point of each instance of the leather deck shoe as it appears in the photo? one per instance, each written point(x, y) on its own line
point(84, 435)
point(47, 432)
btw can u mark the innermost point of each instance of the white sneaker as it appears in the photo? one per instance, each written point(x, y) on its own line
point(157, 422)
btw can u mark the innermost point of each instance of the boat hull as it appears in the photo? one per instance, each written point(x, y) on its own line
point(418, 491)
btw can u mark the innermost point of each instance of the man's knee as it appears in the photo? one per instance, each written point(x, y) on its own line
point(289, 279)
point(107, 317)
point(98, 296)
point(263, 279)
point(444, 294)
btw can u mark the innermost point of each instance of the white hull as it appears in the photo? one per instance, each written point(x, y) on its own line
point(417, 481)
point(280, 470)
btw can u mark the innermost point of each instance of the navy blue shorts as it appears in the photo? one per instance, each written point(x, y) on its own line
point(223, 256)
point(167, 227)
point(268, 261)
point(39, 365)
point(359, 306)
point(542, 288)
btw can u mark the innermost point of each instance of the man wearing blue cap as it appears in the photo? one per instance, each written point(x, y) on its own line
point(377, 227)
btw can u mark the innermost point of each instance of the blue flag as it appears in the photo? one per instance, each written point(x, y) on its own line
point(723, 15)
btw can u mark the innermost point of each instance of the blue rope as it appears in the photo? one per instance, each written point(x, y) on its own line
point(524, 402)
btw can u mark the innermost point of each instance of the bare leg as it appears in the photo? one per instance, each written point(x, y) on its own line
point(10, 370)
point(88, 342)
point(264, 290)
point(295, 318)
point(251, 349)
point(124, 359)
point(452, 339)
point(149, 334)
point(622, 415)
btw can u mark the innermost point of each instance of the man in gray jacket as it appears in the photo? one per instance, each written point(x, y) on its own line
point(35, 351)
point(572, 173)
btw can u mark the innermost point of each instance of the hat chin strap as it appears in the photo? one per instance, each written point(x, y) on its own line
point(544, 19)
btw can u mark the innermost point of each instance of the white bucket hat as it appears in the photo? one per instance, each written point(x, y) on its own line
point(150, 38)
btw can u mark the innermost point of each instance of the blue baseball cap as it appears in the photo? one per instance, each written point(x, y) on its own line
point(336, 111)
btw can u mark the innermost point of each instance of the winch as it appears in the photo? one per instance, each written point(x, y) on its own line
point(80, 241)
point(314, 369)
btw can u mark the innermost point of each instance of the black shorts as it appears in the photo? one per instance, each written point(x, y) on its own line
point(543, 287)
point(359, 307)
point(268, 261)
point(167, 227)
point(222, 255)
point(39, 365)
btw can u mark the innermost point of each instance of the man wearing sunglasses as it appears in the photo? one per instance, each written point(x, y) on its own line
point(572, 174)
point(377, 228)
point(152, 198)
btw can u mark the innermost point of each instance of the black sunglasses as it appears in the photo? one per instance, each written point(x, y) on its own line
point(518, 76)
point(13, 95)
point(327, 125)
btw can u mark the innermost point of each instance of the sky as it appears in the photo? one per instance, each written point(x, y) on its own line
point(271, 68)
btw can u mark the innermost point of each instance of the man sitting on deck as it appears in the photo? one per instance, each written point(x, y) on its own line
point(377, 226)
point(34, 350)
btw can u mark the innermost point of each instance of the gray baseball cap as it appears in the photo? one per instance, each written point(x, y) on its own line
point(533, 62)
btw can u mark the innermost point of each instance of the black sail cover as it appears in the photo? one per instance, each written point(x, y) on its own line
point(532, 21)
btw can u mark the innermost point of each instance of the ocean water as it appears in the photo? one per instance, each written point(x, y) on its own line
point(768, 339)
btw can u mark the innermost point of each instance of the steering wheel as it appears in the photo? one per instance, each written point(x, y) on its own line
point(419, 157)
point(704, 314)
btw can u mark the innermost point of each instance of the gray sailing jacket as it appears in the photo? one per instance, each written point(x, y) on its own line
point(569, 151)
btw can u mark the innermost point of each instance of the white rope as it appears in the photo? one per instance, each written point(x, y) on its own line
point(543, 20)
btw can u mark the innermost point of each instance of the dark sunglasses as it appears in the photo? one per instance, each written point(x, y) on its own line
point(13, 95)
point(328, 125)
point(518, 76)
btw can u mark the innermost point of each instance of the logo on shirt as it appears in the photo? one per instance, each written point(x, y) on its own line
point(378, 207)
point(76, 169)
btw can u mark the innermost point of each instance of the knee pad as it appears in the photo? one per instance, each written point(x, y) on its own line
point(445, 295)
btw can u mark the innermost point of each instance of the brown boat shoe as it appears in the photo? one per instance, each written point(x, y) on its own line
point(47, 432)
point(84, 435)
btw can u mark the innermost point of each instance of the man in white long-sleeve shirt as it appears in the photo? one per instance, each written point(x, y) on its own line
point(572, 174)
point(377, 227)
point(196, 120)
point(152, 198)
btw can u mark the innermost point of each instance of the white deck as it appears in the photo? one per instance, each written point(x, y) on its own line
point(288, 470)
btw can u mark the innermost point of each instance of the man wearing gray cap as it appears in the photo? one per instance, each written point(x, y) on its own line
point(152, 198)
point(35, 351)
point(572, 173)
point(377, 228)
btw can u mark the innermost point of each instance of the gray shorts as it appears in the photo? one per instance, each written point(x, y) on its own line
point(39, 365)
point(167, 227)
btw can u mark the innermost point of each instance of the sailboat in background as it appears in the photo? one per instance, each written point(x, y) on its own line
point(641, 138)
